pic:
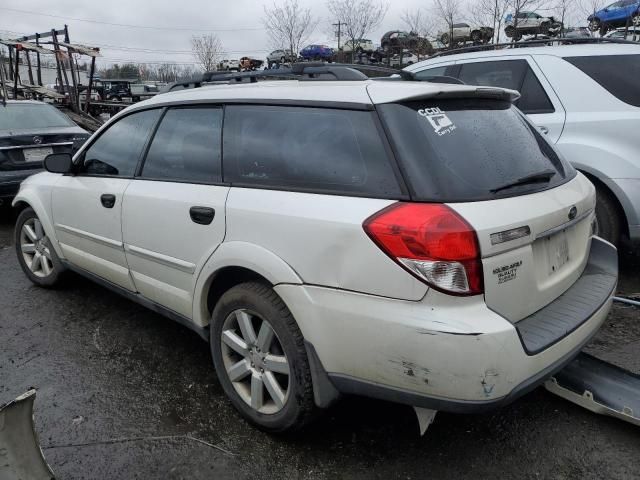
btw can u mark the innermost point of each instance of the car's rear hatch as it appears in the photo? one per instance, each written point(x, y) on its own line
point(530, 210)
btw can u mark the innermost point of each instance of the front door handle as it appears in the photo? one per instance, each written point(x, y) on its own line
point(543, 129)
point(108, 200)
point(202, 215)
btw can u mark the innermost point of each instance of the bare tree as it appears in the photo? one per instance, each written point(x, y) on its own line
point(358, 17)
point(420, 23)
point(588, 7)
point(289, 25)
point(449, 11)
point(207, 49)
point(565, 11)
point(491, 12)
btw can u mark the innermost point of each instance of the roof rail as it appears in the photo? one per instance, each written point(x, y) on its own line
point(298, 71)
point(532, 43)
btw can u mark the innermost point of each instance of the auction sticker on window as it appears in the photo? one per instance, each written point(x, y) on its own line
point(438, 119)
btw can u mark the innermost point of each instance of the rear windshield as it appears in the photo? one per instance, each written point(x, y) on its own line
point(470, 149)
point(619, 74)
point(18, 116)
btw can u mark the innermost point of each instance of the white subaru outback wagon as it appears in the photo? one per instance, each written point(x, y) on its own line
point(415, 242)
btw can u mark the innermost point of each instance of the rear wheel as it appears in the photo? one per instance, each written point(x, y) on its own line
point(445, 38)
point(509, 31)
point(635, 19)
point(36, 255)
point(608, 218)
point(476, 36)
point(259, 355)
point(594, 25)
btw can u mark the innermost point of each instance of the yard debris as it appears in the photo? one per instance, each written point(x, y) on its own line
point(20, 453)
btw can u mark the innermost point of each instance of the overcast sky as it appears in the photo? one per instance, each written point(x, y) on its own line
point(155, 31)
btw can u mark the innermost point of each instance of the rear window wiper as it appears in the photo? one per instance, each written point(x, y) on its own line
point(539, 177)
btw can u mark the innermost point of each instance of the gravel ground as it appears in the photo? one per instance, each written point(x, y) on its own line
point(124, 393)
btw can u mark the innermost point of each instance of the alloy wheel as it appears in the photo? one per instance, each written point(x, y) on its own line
point(35, 249)
point(255, 363)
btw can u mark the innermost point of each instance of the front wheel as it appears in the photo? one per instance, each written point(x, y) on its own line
point(36, 255)
point(476, 36)
point(260, 359)
point(509, 31)
point(445, 38)
point(545, 27)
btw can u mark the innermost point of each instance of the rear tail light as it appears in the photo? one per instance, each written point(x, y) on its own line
point(432, 242)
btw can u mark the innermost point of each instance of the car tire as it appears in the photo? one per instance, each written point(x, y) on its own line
point(250, 363)
point(476, 36)
point(635, 19)
point(608, 216)
point(444, 38)
point(509, 31)
point(594, 25)
point(36, 254)
point(545, 27)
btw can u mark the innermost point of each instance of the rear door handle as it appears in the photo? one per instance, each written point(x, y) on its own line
point(543, 129)
point(108, 200)
point(202, 215)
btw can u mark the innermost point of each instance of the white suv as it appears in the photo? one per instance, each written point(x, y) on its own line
point(414, 242)
point(586, 99)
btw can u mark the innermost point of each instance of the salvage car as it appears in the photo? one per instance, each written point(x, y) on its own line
point(362, 46)
point(618, 14)
point(530, 23)
point(435, 252)
point(464, 32)
point(29, 131)
point(317, 52)
point(279, 57)
point(585, 98)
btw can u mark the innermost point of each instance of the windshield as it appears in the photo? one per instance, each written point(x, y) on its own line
point(470, 149)
point(19, 116)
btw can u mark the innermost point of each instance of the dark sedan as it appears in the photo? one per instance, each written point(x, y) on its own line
point(29, 131)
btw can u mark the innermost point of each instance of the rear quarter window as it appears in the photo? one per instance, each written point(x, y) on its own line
point(618, 74)
point(469, 149)
point(307, 149)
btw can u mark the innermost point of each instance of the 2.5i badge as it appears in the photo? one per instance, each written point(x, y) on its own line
point(438, 119)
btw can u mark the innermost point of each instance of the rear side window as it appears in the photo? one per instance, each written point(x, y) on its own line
point(618, 74)
point(502, 73)
point(118, 149)
point(470, 149)
point(307, 149)
point(513, 74)
point(534, 99)
point(186, 146)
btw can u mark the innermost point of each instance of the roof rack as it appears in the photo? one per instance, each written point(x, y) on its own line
point(315, 71)
point(531, 43)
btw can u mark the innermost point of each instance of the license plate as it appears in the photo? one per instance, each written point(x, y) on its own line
point(557, 251)
point(36, 154)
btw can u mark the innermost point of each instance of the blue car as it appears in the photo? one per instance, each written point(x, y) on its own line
point(317, 52)
point(618, 14)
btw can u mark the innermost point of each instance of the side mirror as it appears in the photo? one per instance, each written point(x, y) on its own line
point(58, 163)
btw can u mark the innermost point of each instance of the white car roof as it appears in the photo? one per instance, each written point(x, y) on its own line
point(356, 92)
point(575, 50)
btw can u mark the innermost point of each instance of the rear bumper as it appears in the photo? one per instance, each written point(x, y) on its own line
point(10, 182)
point(455, 356)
